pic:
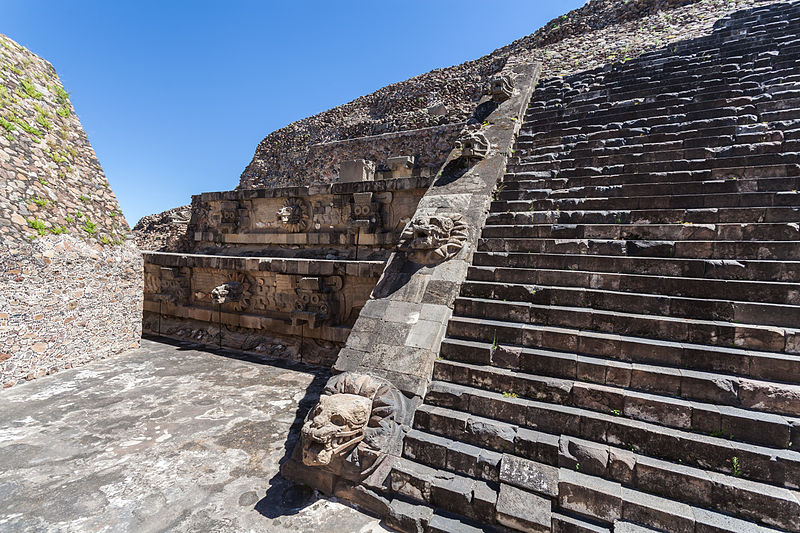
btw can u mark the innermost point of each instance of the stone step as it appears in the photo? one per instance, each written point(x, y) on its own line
point(611, 102)
point(695, 331)
point(637, 203)
point(503, 374)
point(725, 145)
point(754, 270)
point(480, 442)
point(768, 366)
point(674, 165)
point(665, 103)
point(686, 80)
point(734, 250)
point(612, 158)
point(690, 179)
point(530, 191)
point(786, 231)
point(526, 283)
point(452, 493)
point(545, 473)
point(632, 132)
point(730, 305)
point(711, 215)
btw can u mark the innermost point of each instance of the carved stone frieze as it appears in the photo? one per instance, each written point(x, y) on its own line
point(228, 292)
point(473, 145)
point(294, 215)
point(317, 301)
point(236, 290)
point(358, 419)
point(432, 239)
point(501, 88)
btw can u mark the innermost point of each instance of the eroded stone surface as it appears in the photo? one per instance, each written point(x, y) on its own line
point(162, 438)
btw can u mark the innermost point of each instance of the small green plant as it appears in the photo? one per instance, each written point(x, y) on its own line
point(57, 156)
point(58, 230)
point(89, 227)
point(43, 181)
point(616, 412)
point(510, 395)
point(26, 127)
point(497, 191)
point(38, 225)
point(61, 95)
point(84, 198)
point(577, 467)
point(494, 342)
point(8, 126)
point(78, 214)
point(112, 214)
point(62, 112)
point(737, 467)
point(486, 123)
point(30, 89)
point(724, 433)
point(13, 68)
point(38, 200)
point(42, 117)
point(69, 219)
point(105, 240)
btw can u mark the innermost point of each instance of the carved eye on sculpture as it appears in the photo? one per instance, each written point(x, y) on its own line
point(315, 299)
point(338, 420)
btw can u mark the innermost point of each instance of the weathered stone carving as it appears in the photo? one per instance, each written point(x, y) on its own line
point(293, 216)
point(358, 418)
point(228, 292)
point(316, 301)
point(473, 145)
point(432, 239)
point(236, 290)
point(363, 206)
point(501, 88)
point(356, 171)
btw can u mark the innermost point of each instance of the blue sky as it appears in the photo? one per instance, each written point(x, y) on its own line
point(175, 96)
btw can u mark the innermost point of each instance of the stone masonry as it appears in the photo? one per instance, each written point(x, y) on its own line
point(71, 282)
point(623, 354)
point(302, 262)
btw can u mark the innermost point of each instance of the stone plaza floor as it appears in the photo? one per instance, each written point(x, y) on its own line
point(163, 438)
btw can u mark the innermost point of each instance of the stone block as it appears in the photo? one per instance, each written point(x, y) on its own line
point(401, 165)
point(407, 517)
point(660, 513)
point(484, 502)
point(453, 493)
point(589, 496)
point(443, 524)
point(529, 475)
point(621, 526)
point(356, 171)
point(523, 510)
point(583, 456)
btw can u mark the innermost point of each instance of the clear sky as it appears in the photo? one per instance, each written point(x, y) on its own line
point(175, 95)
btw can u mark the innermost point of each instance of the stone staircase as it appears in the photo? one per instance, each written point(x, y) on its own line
point(624, 354)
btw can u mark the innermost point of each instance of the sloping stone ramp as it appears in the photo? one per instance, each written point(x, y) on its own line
point(624, 354)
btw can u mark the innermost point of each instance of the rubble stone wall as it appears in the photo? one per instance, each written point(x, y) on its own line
point(599, 32)
point(320, 162)
point(70, 280)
